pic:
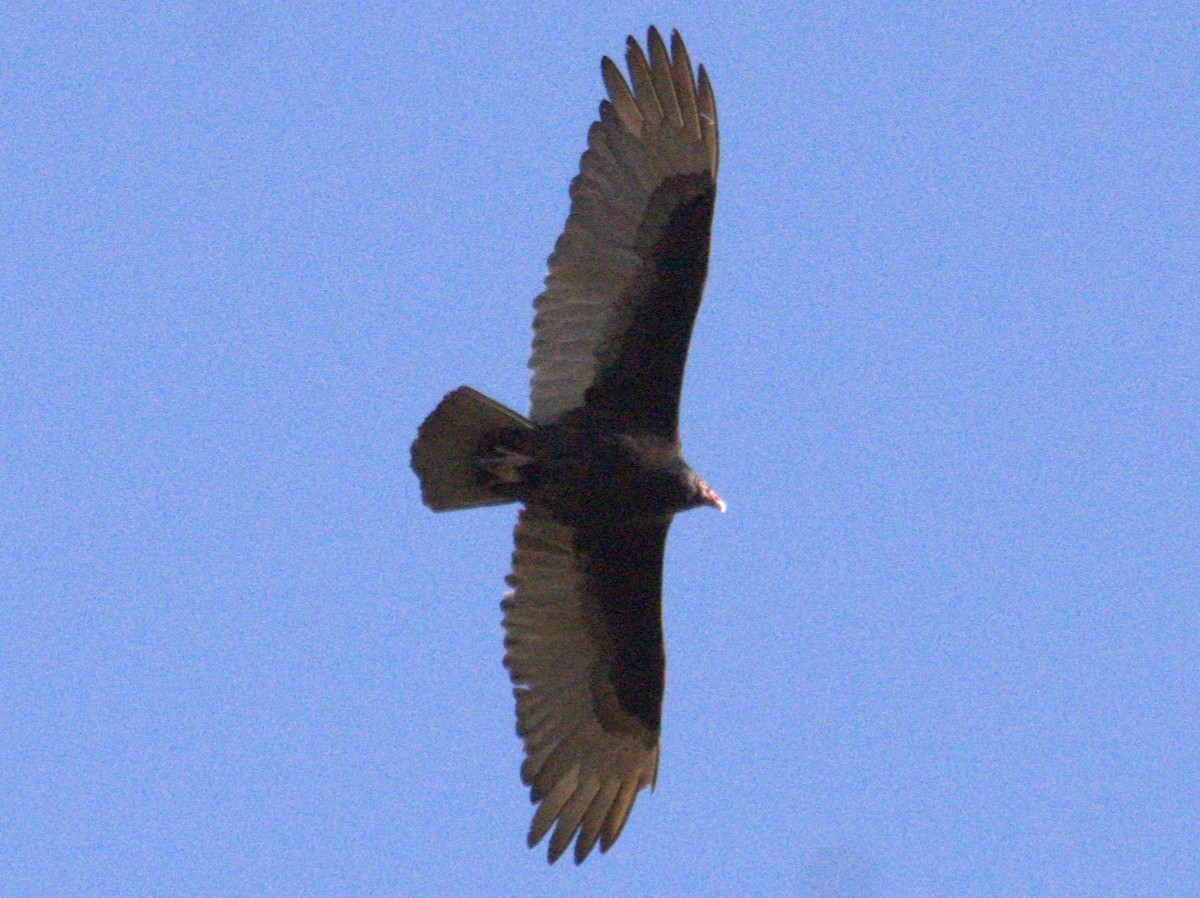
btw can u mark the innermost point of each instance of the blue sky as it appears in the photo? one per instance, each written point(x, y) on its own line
point(946, 376)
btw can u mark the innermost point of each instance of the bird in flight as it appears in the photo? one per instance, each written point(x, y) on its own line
point(598, 464)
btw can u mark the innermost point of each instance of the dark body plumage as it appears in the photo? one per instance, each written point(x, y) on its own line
point(598, 463)
point(584, 473)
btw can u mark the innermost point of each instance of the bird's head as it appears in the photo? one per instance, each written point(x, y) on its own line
point(703, 494)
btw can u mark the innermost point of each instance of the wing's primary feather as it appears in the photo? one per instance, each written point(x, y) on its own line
point(663, 79)
point(583, 640)
point(650, 166)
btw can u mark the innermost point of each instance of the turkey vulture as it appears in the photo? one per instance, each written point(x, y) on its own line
point(597, 463)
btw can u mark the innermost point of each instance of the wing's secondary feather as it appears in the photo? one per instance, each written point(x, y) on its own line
point(653, 148)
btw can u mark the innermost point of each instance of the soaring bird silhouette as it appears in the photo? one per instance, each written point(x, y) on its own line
point(598, 462)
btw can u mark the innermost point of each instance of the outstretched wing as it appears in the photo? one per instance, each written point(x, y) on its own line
point(584, 648)
point(613, 325)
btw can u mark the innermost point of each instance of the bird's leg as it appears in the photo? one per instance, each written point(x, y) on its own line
point(504, 462)
point(503, 465)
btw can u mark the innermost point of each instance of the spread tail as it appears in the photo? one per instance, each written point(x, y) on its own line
point(446, 453)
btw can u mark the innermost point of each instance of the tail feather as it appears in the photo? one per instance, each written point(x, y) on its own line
point(445, 453)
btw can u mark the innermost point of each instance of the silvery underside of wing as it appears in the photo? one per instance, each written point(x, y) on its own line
point(663, 128)
point(586, 759)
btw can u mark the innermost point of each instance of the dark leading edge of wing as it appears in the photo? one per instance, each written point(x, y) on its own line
point(623, 564)
point(639, 385)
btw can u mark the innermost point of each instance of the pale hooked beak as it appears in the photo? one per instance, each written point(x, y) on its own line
point(708, 497)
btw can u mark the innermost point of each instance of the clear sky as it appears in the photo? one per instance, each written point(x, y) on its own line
point(947, 377)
